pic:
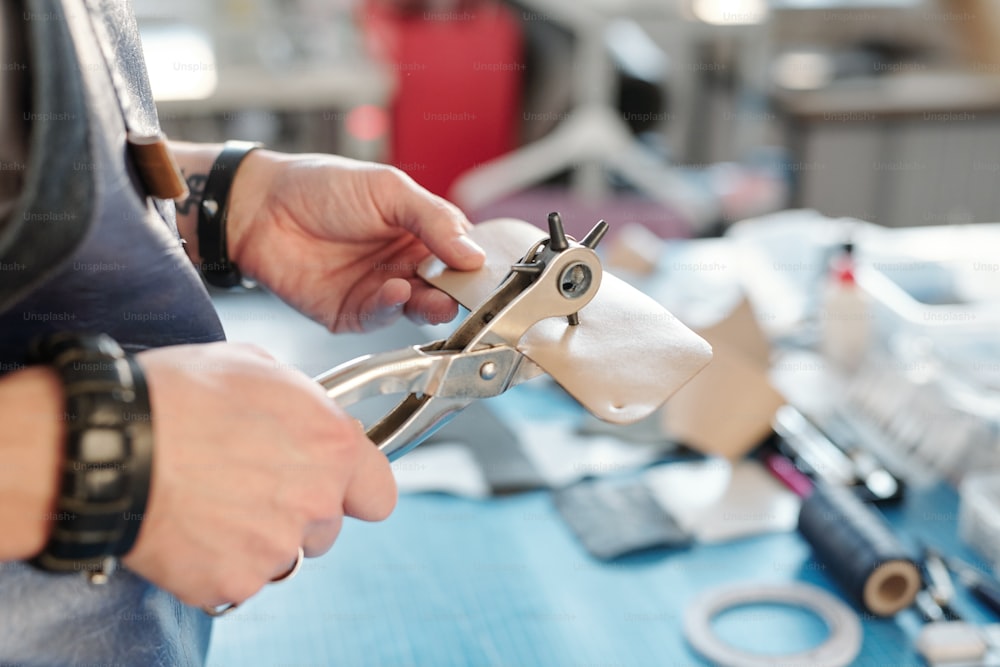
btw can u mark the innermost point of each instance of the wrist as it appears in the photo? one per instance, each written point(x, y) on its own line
point(246, 180)
point(31, 436)
point(195, 161)
point(247, 197)
point(218, 267)
point(105, 472)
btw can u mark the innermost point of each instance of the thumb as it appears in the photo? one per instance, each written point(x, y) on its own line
point(441, 226)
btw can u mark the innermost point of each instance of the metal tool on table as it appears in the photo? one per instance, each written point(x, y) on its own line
point(981, 585)
point(556, 277)
point(948, 640)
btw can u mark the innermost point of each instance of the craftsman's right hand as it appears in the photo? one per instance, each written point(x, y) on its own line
point(251, 460)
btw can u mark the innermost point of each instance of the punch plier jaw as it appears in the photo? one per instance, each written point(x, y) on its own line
point(556, 277)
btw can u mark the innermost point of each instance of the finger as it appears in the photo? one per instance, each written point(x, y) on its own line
point(442, 228)
point(384, 306)
point(430, 306)
point(320, 536)
point(458, 252)
point(371, 493)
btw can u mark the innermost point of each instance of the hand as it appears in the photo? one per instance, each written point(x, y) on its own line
point(251, 461)
point(341, 239)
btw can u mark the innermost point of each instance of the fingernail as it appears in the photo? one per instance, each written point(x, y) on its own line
point(466, 247)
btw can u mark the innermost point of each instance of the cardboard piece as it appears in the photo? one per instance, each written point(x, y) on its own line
point(635, 250)
point(728, 408)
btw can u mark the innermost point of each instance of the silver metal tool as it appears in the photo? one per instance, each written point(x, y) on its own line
point(556, 277)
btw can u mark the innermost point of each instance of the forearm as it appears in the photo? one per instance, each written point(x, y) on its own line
point(31, 435)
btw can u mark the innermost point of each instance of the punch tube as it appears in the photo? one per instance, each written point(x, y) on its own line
point(859, 550)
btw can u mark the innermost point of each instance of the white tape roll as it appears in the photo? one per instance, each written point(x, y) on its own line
point(840, 648)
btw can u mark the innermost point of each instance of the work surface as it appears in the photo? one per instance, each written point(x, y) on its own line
point(502, 581)
point(449, 581)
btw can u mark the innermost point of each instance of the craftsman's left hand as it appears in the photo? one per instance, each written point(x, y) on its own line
point(341, 239)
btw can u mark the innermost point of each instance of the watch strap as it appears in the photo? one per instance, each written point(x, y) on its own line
point(213, 211)
point(106, 471)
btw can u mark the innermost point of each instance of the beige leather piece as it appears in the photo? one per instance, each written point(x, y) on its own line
point(626, 357)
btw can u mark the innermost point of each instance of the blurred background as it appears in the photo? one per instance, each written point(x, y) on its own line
point(680, 115)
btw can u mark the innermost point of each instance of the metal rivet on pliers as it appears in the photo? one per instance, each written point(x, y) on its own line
point(488, 371)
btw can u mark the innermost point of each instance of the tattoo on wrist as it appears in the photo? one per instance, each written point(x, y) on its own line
point(196, 189)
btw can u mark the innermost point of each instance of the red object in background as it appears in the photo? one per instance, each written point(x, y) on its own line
point(458, 84)
point(366, 122)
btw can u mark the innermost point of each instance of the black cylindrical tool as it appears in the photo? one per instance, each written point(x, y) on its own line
point(858, 548)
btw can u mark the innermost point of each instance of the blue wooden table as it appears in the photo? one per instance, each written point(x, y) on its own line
point(502, 582)
point(449, 581)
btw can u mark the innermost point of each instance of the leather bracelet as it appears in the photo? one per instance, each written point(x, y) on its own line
point(107, 465)
point(213, 211)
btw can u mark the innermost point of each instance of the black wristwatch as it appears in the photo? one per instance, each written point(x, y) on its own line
point(213, 210)
point(108, 454)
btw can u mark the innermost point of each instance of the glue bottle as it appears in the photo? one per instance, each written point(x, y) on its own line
point(846, 314)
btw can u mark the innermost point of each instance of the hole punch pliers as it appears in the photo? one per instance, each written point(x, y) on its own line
point(556, 277)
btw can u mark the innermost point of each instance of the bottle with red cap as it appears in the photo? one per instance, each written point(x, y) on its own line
point(846, 316)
